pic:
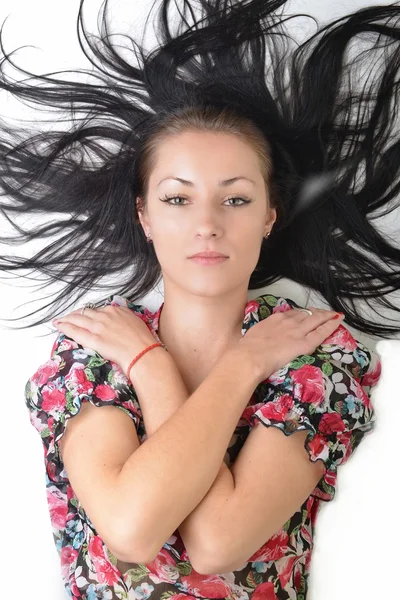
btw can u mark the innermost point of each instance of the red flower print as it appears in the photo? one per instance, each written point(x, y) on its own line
point(278, 409)
point(309, 385)
point(68, 555)
point(341, 337)
point(70, 493)
point(53, 399)
point(51, 469)
point(361, 394)
point(106, 572)
point(74, 588)
point(282, 306)
point(146, 316)
point(372, 377)
point(264, 591)
point(58, 510)
point(105, 392)
point(163, 568)
point(77, 381)
point(45, 372)
point(273, 549)
point(331, 423)
point(208, 586)
point(317, 445)
point(297, 577)
point(330, 477)
point(307, 563)
point(66, 344)
point(251, 306)
point(285, 568)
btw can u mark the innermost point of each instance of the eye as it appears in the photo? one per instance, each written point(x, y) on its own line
point(243, 200)
point(168, 199)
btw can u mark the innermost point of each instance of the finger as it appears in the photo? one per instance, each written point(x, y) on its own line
point(325, 329)
point(90, 313)
point(315, 311)
point(84, 337)
point(75, 318)
point(319, 318)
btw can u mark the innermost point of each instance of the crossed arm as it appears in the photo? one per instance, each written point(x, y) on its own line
point(247, 503)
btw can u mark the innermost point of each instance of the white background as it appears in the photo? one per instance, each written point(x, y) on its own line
point(356, 552)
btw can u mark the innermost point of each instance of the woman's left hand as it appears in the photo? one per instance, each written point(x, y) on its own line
point(115, 332)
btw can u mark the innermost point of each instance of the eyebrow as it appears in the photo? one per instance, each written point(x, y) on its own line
point(224, 182)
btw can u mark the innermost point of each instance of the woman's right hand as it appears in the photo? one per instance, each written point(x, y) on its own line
point(283, 336)
point(115, 332)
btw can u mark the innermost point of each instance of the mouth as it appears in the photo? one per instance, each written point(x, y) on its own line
point(208, 260)
point(209, 254)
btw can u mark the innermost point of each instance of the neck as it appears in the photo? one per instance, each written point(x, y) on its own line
point(200, 328)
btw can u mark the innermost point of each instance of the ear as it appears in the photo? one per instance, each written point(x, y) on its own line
point(272, 215)
point(139, 208)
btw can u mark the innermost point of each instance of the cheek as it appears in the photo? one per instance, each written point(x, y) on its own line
point(171, 254)
point(171, 235)
point(249, 254)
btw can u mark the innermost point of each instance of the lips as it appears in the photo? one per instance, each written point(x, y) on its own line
point(210, 254)
point(207, 260)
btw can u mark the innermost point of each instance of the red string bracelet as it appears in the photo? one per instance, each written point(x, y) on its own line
point(141, 354)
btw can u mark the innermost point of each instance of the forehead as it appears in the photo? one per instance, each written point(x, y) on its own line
point(189, 157)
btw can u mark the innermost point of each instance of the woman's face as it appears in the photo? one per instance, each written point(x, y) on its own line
point(203, 217)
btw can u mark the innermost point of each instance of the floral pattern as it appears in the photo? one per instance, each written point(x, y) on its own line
point(326, 392)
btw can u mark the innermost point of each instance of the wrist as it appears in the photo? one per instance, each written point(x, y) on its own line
point(146, 362)
point(244, 362)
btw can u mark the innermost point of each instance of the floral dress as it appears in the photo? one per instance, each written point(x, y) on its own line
point(326, 392)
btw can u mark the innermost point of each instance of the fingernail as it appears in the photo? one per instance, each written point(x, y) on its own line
point(338, 315)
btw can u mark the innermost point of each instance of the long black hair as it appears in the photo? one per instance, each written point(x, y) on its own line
point(328, 147)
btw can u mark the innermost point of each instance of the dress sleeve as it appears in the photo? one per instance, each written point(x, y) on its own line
point(328, 393)
point(55, 393)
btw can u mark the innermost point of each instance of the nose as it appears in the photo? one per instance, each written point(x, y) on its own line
point(208, 223)
point(208, 230)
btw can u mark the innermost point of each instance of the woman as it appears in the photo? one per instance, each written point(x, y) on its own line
point(229, 159)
